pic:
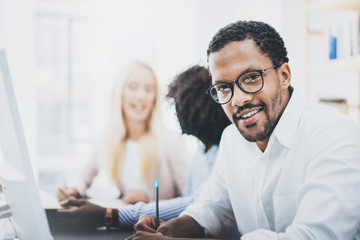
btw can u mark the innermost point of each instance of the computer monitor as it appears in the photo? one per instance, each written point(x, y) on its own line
point(16, 173)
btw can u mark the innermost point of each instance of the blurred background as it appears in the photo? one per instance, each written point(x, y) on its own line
point(65, 54)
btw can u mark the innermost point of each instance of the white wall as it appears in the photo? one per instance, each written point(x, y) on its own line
point(292, 21)
point(16, 37)
point(170, 35)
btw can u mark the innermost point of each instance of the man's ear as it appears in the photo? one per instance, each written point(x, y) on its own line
point(284, 75)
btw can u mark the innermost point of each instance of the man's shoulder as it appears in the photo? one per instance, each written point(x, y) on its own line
point(323, 115)
point(320, 118)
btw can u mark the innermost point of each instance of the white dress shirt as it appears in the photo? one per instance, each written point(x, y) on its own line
point(305, 185)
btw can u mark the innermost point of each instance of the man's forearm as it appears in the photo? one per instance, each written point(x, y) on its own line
point(185, 226)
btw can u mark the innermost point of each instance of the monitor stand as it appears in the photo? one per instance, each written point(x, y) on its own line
point(7, 228)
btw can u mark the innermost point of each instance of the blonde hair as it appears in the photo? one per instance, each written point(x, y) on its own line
point(116, 133)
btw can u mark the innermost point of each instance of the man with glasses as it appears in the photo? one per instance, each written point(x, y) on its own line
point(286, 169)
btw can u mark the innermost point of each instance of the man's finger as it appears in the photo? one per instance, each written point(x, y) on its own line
point(64, 211)
point(64, 203)
point(143, 227)
point(72, 201)
point(145, 223)
point(140, 235)
point(163, 229)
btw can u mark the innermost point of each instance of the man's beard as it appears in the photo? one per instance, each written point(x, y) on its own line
point(270, 121)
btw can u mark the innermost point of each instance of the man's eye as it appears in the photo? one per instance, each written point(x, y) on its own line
point(253, 78)
point(223, 88)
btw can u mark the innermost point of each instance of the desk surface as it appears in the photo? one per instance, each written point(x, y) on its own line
point(93, 234)
point(66, 232)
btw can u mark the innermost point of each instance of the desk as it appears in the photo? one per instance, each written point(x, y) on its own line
point(61, 232)
point(100, 234)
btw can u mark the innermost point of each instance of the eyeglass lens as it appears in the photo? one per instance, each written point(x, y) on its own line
point(249, 82)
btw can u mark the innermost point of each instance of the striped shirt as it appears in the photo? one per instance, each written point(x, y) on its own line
point(200, 169)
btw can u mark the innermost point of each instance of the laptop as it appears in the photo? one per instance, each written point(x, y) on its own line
point(16, 173)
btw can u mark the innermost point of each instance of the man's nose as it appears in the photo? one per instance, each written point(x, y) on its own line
point(240, 97)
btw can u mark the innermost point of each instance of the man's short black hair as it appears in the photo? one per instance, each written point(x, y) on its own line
point(265, 37)
point(198, 114)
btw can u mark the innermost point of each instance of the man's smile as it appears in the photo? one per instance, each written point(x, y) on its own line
point(248, 113)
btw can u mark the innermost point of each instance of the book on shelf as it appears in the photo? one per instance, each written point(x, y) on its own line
point(339, 103)
point(344, 35)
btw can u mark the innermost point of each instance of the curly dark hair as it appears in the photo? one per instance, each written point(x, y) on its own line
point(265, 37)
point(198, 114)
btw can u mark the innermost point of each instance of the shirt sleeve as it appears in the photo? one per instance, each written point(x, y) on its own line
point(328, 203)
point(168, 209)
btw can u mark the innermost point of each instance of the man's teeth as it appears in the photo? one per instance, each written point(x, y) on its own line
point(139, 107)
point(250, 114)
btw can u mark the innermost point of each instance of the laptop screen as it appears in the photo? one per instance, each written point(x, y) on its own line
point(16, 173)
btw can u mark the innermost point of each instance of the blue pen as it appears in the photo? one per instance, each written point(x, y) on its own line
point(157, 204)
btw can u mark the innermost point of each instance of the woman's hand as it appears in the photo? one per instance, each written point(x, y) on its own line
point(66, 192)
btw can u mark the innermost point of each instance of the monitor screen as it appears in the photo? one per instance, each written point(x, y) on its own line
point(16, 173)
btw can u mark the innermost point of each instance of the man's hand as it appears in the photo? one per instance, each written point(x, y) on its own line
point(146, 235)
point(81, 213)
point(184, 226)
point(132, 196)
point(147, 224)
point(145, 229)
point(66, 192)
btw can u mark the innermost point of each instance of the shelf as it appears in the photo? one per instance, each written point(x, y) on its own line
point(347, 9)
point(322, 5)
point(336, 65)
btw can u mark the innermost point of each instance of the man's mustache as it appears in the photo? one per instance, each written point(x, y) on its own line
point(248, 106)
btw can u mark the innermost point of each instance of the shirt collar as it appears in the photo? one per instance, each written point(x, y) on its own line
point(286, 128)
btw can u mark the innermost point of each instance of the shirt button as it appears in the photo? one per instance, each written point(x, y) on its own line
point(262, 159)
point(257, 199)
point(276, 141)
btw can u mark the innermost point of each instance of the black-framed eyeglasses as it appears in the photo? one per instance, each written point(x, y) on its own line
point(251, 81)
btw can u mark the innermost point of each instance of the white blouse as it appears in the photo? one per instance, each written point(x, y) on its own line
point(131, 172)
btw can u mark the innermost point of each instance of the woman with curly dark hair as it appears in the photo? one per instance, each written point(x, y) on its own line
point(199, 117)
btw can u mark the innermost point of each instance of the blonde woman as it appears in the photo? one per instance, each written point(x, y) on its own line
point(137, 149)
